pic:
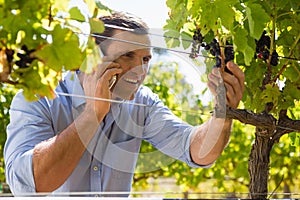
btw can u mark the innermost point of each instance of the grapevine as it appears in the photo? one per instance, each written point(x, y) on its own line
point(263, 33)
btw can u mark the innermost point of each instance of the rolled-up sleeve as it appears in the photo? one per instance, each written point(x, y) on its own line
point(29, 125)
point(19, 174)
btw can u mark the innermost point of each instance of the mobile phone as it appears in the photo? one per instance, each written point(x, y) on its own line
point(114, 79)
point(112, 82)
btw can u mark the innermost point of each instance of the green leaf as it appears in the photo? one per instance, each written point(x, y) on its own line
point(239, 36)
point(243, 43)
point(257, 18)
point(50, 57)
point(97, 26)
point(292, 73)
point(92, 59)
point(63, 52)
point(292, 89)
point(186, 38)
point(270, 94)
point(171, 38)
point(209, 36)
point(295, 139)
point(209, 20)
point(248, 55)
point(76, 14)
point(226, 13)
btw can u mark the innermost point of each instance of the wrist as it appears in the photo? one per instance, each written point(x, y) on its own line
point(92, 114)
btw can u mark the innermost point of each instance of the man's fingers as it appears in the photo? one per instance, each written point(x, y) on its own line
point(110, 73)
point(237, 72)
point(214, 81)
point(101, 68)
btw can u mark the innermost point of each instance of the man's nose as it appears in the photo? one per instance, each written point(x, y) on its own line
point(141, 68)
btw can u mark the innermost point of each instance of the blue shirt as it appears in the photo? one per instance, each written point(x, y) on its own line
point(109, 161)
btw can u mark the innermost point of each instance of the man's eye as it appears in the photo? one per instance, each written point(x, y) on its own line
point(146, 59)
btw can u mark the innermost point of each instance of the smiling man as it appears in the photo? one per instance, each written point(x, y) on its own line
point(72, 144)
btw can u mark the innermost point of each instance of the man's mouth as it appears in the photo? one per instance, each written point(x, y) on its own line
point(132, 81)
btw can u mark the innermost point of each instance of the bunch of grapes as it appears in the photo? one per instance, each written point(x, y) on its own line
point(213, 47)
point(198, 36)
point(25, 59)
point(262, 49)
point(229, 53)
point(197, 42)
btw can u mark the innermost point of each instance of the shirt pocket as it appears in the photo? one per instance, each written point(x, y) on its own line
point(122, 156)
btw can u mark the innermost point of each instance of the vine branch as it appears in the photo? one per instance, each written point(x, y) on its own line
point(286, 125)
point(264, 120)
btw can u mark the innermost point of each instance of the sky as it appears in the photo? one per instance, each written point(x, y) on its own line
point(153, 12)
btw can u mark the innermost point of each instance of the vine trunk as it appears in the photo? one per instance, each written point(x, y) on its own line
point(259, 164)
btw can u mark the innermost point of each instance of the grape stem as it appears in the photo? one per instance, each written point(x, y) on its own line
point(288, 13)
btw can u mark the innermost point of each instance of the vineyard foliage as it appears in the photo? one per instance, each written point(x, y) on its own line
point(39, 40)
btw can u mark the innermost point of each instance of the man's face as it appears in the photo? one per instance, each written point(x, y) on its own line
point(133, 59)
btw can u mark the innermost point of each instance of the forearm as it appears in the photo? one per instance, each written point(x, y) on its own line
point(56, 158)
point(209, 140)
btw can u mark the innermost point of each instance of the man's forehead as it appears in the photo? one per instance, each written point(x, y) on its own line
point(124, 41)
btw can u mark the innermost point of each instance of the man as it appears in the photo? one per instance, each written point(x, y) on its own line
point(72, 144)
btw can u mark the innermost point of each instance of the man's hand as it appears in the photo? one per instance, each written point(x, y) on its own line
point(234, 84)
point(96, 84)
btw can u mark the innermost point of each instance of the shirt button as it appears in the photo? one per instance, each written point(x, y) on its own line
point(95, 168)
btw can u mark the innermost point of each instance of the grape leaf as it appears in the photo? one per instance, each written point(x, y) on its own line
point(97, 26)
point(92, 58)
point(257, 18)
point(76, 14)
point(242, 42)
point(292, 73)
point(270, 94)
point(248, 54)
point(291, 89)
point(185, 39)
point(239, 36)
point(63, 52)
point(225, 12)
point(171, 38)
point(208, 20)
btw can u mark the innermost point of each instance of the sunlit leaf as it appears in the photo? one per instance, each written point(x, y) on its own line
point(97, 26)
point(76, 14)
